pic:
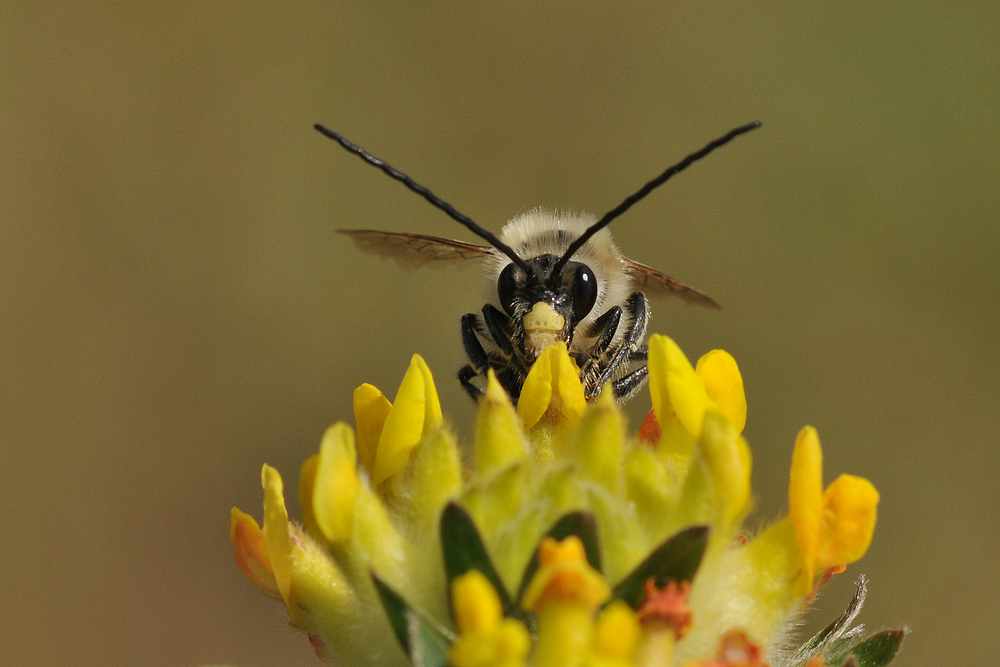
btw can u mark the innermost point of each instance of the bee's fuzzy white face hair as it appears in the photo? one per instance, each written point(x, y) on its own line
point(539, 232)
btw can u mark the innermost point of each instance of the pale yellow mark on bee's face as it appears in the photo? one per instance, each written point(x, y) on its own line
point(543, 326)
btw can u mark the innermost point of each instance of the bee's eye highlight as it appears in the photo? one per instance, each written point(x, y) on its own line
point(507, 286)
point(583, 291)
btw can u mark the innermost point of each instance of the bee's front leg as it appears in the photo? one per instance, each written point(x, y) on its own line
point(473, 348)
point(510, 372)
point(604, 327)
point(465, 376)
point(497, 324)
point(625, 387)
point(477, 355)
point(627, 350)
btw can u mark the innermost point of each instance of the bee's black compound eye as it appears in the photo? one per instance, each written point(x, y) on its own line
point(583, 291)
point(507, 286)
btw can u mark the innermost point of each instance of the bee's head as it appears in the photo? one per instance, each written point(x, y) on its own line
point(548, 301)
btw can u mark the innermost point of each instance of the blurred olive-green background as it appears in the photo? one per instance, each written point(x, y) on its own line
point(176, 307)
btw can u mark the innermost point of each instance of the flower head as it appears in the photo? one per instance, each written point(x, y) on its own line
point(557, 539)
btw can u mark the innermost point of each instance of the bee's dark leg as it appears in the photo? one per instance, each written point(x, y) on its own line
point(626, 386)
point(511, 381)
point(477, 355)
point(473, 348)
point(465, 376)
point(508, 363)
point(496, 324)
point(605, 327)
point(636, 307)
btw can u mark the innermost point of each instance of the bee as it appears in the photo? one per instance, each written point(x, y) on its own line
point(551, 277)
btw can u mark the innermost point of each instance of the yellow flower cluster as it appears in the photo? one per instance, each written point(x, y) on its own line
point(557, 539)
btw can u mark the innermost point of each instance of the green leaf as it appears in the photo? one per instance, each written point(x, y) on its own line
point(396, 609)
point(430, 647)
point(838, 650)
point(424, 642)
point(822, 640)
point(464, 550)
point(677, 559)
point(581, 524)
point(878, 650)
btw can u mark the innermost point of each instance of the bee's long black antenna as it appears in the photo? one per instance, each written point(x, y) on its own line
point(646, 189)
point(428, 195)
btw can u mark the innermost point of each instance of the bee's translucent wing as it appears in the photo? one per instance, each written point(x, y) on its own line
point(413, 250)
point(654, 283)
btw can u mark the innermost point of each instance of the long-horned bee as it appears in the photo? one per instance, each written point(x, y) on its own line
point(552, 277)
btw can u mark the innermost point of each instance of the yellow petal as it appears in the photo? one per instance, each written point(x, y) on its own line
point(487, 639)
point(674, 386)
point(415, 411)
point(727, 457)
point(848, 521)
point(536, 393)
point(433, 415)
point(336, 484)
point(805, 499)
point(724, 385)
point(499, 440)
point(371, 407)
point(251, 552)
point(476, 606)
point(307, 480)
point(552, 386)
point(565, 575)
point(568, 389)
point(276, 533)
point(616, 632)
point(564, 634)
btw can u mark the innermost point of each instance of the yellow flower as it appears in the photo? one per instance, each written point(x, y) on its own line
point(388, 433)
point(556, 539)
point(552, 399)
point(686, 393)
point(565, 576)
point(834, 527)
point(563, 595)
point(486, 638)
point(616, 635)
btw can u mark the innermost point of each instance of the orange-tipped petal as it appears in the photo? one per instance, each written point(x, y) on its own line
point(251, 552)
point(564, 574)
